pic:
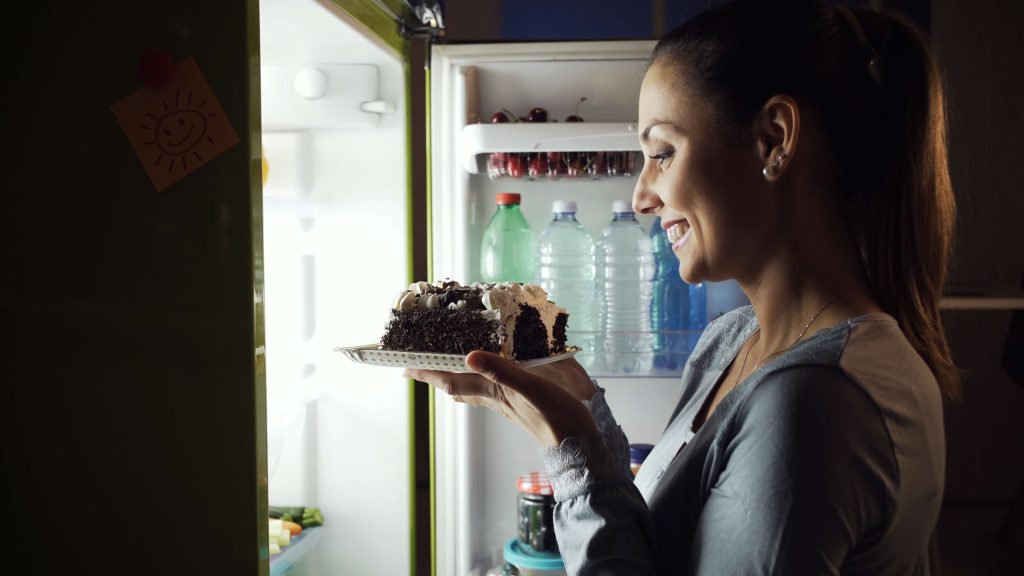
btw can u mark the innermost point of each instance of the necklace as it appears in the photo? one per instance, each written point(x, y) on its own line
point(770, 354)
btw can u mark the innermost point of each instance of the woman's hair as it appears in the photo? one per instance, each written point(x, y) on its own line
point(869, 78)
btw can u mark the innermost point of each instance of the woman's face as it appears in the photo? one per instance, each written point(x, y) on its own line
point(700, 181)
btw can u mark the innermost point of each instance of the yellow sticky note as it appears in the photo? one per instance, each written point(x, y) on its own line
point(176, 128)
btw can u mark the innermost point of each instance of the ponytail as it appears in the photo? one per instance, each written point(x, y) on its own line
point(904, 212)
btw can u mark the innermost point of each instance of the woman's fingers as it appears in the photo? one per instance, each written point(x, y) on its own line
point(467, 387)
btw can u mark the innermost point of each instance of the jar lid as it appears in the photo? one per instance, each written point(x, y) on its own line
point(638, 452)
point(508, 198)
point(521, 558)
point(534, 483)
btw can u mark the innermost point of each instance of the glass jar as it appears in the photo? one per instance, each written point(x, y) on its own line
point(637, 454)
point(536, 509)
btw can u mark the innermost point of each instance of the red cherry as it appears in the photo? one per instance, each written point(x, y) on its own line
point(537, 115)
point(515, 165)
point(539, 165)
point(575, 117)
point(499, 118)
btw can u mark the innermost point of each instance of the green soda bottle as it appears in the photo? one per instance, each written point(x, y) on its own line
point(508, 250)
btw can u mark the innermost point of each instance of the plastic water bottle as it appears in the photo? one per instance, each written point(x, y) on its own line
point(508, 250)
point(625, 271)
point(670, 306)
point(565, 256)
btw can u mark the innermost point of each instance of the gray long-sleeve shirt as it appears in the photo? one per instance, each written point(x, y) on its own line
point(828, 460)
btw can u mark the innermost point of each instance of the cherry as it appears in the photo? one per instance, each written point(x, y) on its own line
point(515, 165)
point(502, 116)
point(575, 116)
point(537, 115)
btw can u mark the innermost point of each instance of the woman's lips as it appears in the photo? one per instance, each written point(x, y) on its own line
point(678, 232)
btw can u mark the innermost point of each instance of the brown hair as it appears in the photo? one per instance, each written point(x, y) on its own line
point(870, 78)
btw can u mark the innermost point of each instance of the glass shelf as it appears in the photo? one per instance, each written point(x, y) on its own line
point(619, 354)
point(281, 564)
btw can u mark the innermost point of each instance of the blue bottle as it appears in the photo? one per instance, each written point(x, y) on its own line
point(673, 313)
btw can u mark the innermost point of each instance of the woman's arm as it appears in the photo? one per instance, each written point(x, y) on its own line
point(601, 520)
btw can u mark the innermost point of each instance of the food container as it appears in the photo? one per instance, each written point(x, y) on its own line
point(555, 164)
point(525, 562)
point(637, 454)
point(536, 509)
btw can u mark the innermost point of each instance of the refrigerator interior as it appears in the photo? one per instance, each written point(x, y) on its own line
point(334, 233)
point(479, 454)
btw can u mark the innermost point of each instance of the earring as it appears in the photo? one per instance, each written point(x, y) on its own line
point(773, 165)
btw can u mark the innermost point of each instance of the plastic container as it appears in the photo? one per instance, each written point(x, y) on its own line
point(508, 249)
point(670, 306)
point(536, 508)
point(565, 268)
point(624, 272)
point(528, 563)
point(637, 454)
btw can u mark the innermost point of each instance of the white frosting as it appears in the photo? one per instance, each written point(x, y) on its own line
point(507, 297)
point(405, 301)
point(429, 301)
point(418, 288)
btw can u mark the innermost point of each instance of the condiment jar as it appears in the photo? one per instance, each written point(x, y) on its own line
point(637, 454)
point(536, 508)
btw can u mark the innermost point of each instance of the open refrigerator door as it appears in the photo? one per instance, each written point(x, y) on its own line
point(595, 162)
point(334, 205)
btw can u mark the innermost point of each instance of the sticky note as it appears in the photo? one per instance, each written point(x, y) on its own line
point(176, 128)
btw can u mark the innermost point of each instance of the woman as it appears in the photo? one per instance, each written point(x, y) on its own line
point(799, 149)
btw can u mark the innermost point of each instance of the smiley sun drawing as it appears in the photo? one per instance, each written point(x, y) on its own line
point(178, 132)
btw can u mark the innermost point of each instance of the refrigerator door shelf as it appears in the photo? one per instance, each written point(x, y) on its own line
point(477, 141)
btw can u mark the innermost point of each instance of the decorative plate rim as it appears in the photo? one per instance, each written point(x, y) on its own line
point(407, 359)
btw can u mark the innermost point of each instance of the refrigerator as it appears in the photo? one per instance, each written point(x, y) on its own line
point(340, 238)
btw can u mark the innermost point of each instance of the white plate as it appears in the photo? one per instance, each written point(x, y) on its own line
point(373, 355)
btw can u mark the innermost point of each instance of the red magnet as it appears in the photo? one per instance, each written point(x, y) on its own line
point(155, 68)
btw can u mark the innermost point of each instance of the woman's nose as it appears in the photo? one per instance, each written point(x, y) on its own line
point(645, 200)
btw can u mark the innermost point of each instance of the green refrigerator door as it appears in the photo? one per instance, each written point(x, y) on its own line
point(131, 289)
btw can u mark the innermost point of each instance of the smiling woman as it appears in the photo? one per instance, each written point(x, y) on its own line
point(798, 148)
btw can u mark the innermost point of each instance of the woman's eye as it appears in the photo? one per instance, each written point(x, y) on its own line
point(662, 156)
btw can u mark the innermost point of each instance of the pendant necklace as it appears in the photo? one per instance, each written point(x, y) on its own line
point(769, 355)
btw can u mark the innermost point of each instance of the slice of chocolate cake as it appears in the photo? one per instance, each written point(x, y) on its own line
point(514, 320)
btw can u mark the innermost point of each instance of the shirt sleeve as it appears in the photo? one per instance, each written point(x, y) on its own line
point(602, 523)
point(810, 472)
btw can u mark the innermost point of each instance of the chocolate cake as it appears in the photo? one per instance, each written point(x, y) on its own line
point(512, 319)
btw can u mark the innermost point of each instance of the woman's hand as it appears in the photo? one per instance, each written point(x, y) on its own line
point(545, 401)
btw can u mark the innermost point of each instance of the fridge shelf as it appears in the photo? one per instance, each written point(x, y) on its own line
point(478, 141)
point(281, 564)
point(622, 354)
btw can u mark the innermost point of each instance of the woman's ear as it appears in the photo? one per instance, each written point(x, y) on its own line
point(777, 130)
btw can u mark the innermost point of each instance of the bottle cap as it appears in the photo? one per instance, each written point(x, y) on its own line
point(508, 198)
point(561, 206)
point(622, 207)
